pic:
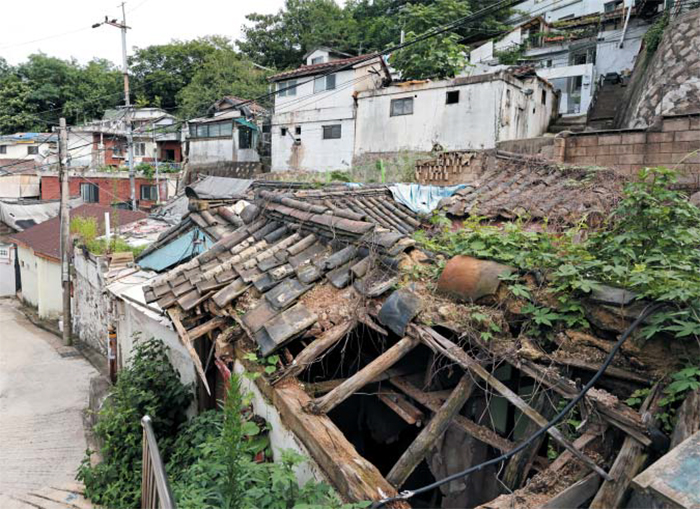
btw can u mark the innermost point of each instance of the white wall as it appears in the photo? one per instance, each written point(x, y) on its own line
point(311, 111)
point(91, 306)
point(19, 151)
point(214, 150)
point(554, 10)
point(28, 270)
point(7, 270)
point(483, 116)
point(20, 186)
point(135, 323)
point(41, 283)
point(586, 71)
point(610, 57)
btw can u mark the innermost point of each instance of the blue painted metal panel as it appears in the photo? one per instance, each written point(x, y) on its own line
point(183, 248)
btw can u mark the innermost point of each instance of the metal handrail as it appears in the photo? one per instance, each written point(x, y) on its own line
point(155, 489)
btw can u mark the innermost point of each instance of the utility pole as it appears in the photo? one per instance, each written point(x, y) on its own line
point(127, 100)
point(65, 229)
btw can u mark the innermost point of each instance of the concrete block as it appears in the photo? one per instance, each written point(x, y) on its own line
point(695, 122)
point(620, 149)
point(659, 137)
point(609, 139)
point(640, 148)
point(576, 151)
point(657, 159)
point(685, 146)
point(606, 160)
point(676, 124)
point(597, 151)
point(629, 138)
point(687, 136)
point(586, 141)
point(631, 158)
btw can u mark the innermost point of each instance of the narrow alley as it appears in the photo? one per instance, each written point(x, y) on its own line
point(43, 392)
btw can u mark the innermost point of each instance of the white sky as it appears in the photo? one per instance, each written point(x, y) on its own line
point(152, 21)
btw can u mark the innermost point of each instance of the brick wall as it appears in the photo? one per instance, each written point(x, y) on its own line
point(674, 145)
point(111, 190)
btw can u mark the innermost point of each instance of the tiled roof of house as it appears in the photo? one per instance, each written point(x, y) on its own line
point(45, 238)
point(286, 250)
point(310, 70)
point(508, 187)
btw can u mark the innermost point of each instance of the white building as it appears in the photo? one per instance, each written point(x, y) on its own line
point(313, 126)
point(35, 147)
point(7, 270)
point(462, 113)
point(229, 134)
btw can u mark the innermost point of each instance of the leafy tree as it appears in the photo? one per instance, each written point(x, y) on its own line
point(224, 72)
point(160, 72)
point(16, 107)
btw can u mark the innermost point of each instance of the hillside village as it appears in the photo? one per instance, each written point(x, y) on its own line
point(463, 277)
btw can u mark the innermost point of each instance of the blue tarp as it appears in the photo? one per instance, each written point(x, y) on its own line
point(422, 199)
point(192, 243)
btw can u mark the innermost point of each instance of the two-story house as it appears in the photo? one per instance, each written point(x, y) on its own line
point(313, 125)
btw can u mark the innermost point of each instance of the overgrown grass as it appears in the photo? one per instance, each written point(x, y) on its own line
point(86, 230)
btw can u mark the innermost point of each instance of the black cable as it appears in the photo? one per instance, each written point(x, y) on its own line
point(405, 495)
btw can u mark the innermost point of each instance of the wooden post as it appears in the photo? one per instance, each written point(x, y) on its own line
point(174, 315)
point(426, 439)
point(627, 465)
point(447, 348)
point(328, 402)
point(65, 229)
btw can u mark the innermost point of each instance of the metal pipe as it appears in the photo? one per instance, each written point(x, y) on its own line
point(154, 470)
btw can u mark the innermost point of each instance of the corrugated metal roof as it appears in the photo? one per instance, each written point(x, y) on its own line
point(180, 249)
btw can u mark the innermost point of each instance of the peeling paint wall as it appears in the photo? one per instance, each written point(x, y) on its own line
point(91, 306)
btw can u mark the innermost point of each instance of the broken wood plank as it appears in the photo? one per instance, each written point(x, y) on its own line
point(576, 494)
point(364, 376)
point(442, 345)
point(628, 463)
point(612, 371)
point(402, 407)
point(687, 418)
point(613, 411)
point(317, 348)
point(481, 433)
point(209, 326)
point(327, 386)
point(187, 342)
point(426, 439)
point(518, 466)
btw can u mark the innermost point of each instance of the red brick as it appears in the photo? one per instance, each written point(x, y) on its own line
point(609, 139)
point(112, 189)
point(688, 136)
point(634, 138)
point(676, 124)
point(659, 137)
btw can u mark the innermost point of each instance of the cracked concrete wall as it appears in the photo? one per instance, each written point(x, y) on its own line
point(92, 310)
point(669, 81)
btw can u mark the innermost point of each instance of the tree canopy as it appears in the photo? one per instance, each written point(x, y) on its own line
point(186, 77)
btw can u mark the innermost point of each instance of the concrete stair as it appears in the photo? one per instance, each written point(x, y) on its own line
point(603, 111)
point(574, 124)
point(69, 496)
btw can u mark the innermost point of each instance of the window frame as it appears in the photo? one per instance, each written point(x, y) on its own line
point(324, 83)
point(152, 192)
point(452, 94)
point(32, 150)
point(245, 138)
point(3, 149)
point(94, 189)
point(398, 111)
point(140, 149)
point(328, 132)
point(287, 88)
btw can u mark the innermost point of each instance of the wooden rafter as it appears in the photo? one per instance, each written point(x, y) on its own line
point(187, 342)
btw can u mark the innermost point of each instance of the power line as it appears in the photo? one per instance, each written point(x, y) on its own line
point(405, 495)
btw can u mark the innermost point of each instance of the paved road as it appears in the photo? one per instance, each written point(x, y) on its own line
point(42, 396)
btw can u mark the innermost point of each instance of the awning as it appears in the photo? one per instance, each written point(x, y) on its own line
point(244, 122)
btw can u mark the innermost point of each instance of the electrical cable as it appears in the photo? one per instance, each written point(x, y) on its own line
point(407, 494)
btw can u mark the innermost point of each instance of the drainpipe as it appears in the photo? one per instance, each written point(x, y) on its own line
point(624, 28)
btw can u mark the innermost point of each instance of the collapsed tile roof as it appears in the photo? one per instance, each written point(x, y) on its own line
point(510, 186)
point(287, 246)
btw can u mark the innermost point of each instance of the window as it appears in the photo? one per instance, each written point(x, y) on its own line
point(317, 60)
point(4, 252)
point(283, 131)
point(544, 97)
point(324, 83)
point(32, 150)
point(331, 132)
point(453, 97)
point(3, 149)
point(202, 131)
point(287, 88)
point(214, 130)
point(149, 192)
point(90, 193)
point(297, 130)
point(117, 150)
point(245, 137)
point(140, 149)
point(226, 129)
point(402, 106)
